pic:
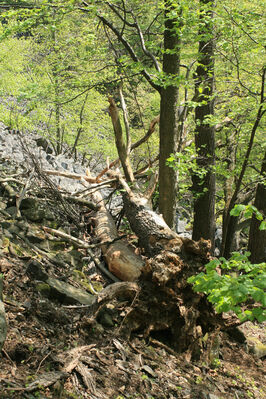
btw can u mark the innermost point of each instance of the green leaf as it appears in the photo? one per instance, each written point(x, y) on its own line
point(237, 210)
point(263, 225)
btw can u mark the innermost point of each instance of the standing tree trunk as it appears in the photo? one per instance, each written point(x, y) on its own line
point(230, 221)
point(257, 237)
point(204, 186)
point(169, 115)
point(231, 147)
point(57, 119)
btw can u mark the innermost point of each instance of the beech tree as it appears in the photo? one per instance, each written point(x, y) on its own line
point(165, 82)
point(257, 236)
point(204, 186)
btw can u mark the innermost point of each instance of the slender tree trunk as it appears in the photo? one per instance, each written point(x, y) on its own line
point(204, 186)
point(80, 125)
point(169, 115)
point(57, 120)
point(58, 131)
point(122, 148)
point(231, 221)
point(257, 237)
point(230, 180)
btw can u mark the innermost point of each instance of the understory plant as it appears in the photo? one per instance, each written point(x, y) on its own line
point(234, 285)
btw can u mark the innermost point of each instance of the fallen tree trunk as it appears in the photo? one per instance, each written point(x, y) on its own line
point(120, 258)
point(166, 306)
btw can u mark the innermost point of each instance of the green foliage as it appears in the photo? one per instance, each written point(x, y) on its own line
point(57, 67)
point(239, 288)
point(248, 211)
point(185, 164)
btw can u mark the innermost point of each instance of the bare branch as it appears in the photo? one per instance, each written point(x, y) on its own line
point(130, 50)
point(144, 49)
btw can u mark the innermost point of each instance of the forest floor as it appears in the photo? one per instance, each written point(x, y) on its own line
point(61, 351)
point(57, 351)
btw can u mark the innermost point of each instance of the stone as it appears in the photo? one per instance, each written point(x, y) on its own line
point(2, 205)
point(5, 224)
point(73, 258)
point(34, 214)
point(237, 334)
point(58, 290)
point(13, 229)
point(29, 203)
point(12, 210)
point(42, 142)
point(256, 347)
point(67, 294)
point(35, 236)
point(104, 317)
point(212, 396)
point(34, 271)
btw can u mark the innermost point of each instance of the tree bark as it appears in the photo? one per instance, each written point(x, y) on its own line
point(169, 115)
point(257, 237)
point(204, 186)
point(230, 222)
point(229, 181)
point(120, 258)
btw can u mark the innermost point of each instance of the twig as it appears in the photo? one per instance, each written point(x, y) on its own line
point(101, 266)
point(7, 355)
point(81, 201)
point(162, 345)
point(41, 362)
point(48, 257)
point(22, 194)
point(10, 179)
point(80, 243)
point(70, 175)
point(86, 246)
point(133, 146)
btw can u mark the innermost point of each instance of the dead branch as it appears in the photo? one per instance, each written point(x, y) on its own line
point(81, 201)
point(70, 175)
point(116, 162)
point(120, 145)
point(125, 115)
point(22, 194)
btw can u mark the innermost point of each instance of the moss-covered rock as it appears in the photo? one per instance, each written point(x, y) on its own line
point(256, 346)
point(44, 289)
point(34, 214)
point(58, 290)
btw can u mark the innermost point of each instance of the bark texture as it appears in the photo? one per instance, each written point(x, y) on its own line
point(169, 115)
point(257, 237)
point(120, 258)
point(230, 222)
point(204, 186)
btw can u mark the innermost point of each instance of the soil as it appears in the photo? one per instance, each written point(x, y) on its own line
point(61, 351)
